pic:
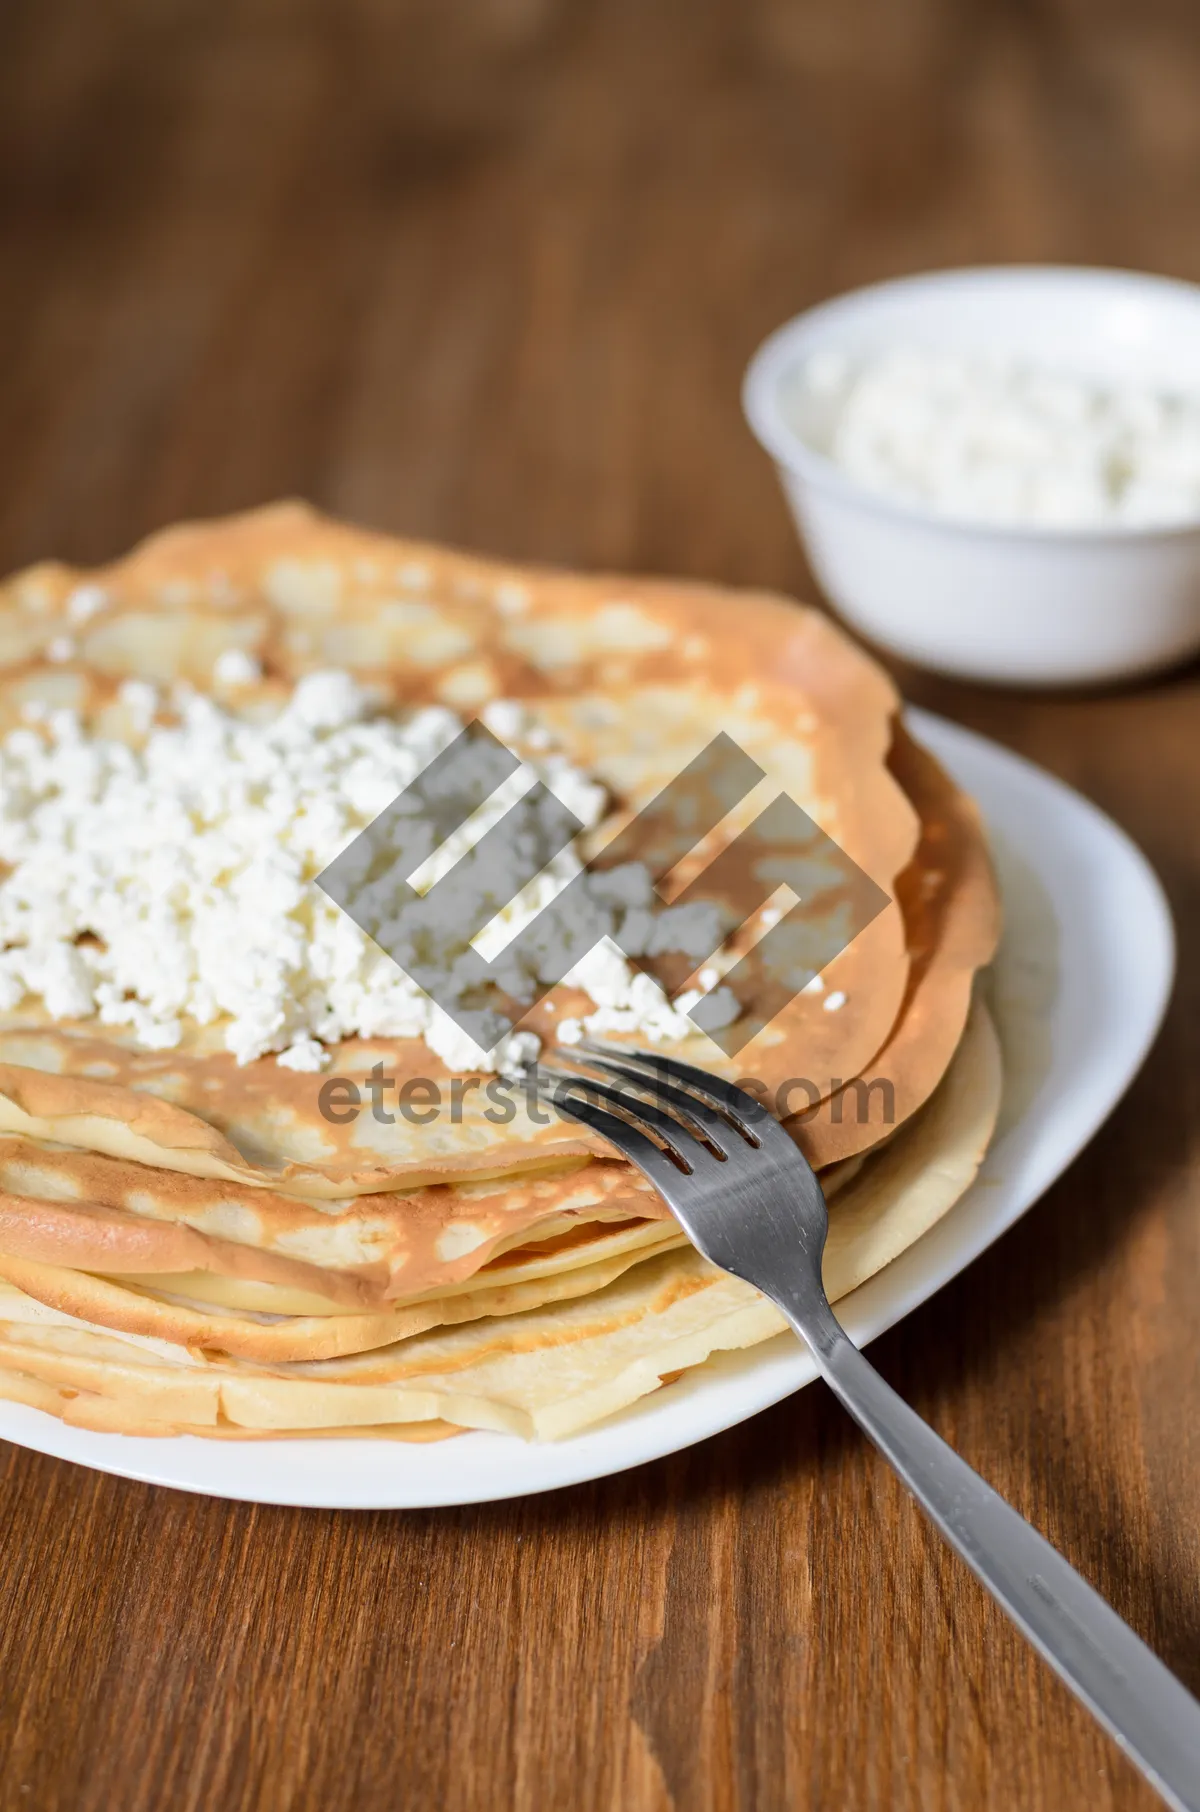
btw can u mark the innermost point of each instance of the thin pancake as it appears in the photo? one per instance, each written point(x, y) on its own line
point(553, 1370)
point(634, 678)
point(108, 1415)
point(65, 1207)
point(951, 907)
point(268, 1339)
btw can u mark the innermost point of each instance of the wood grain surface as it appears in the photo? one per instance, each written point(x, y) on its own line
point(489, 270)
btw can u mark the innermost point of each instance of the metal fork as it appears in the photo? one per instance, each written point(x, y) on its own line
point(748, 1199)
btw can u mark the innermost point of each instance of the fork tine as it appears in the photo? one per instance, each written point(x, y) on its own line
point(720, 1128)
point(681, 1142)
point(637, 1146)
point(713, 1090)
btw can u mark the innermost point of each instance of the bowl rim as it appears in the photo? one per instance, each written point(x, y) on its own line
point(776, 354)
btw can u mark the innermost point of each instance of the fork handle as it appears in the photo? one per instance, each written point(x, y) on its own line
point(1138, 1701)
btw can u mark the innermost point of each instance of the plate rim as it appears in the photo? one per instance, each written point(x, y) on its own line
point(731, 1388)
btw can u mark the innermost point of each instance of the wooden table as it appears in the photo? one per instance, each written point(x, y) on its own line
point(490, 272)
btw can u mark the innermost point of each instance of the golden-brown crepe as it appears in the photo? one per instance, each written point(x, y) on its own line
point(63, 1206)
point(952, 917)
point(190, 1245)
point(542, 1373)
point(632, 678)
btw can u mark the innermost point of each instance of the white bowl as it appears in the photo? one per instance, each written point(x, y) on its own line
point(1023, 604)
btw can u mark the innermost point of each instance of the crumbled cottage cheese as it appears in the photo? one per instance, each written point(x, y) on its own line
point(85, 602)
point(985, 437)
point(173, 881)
point(234, 667)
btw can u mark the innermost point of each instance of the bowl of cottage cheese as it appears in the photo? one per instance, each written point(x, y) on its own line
point(996, 472)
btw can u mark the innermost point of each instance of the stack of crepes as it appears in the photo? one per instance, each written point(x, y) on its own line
point(189, 1245)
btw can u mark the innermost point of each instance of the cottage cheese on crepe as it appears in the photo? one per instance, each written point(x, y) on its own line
point(174, 880)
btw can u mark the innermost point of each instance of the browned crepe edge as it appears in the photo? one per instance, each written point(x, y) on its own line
point(104, 1303)
point(89, 1410)
point(119, 1122)
point(952, 939)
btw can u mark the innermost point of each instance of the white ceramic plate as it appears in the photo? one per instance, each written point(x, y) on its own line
point(1080, 987)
